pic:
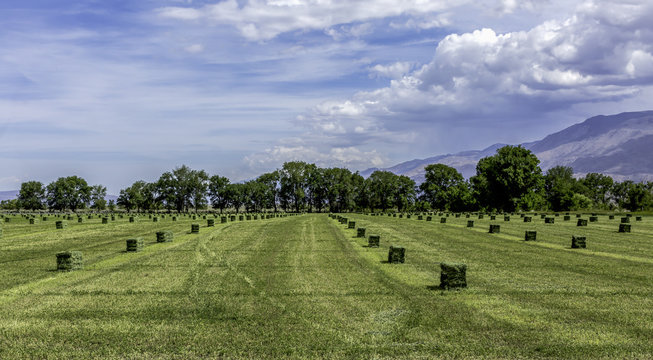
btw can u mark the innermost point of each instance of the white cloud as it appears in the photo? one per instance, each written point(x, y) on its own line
point(392, 71)
point(264, 20)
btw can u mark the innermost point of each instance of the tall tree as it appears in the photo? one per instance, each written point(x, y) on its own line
point(382, 185)
point(559, 184)
point(31, 195)
point(132, 197)
point(271, 183)
point(217, 188)
point(441, 185)
point(509, 179)
point(98, 195)
point(292, 178)
point(71, 192)
point(404, 193)
point(597, 187)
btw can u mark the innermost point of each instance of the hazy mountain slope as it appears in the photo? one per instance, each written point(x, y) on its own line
point(617, 145)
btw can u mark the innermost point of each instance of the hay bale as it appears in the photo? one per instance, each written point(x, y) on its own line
point(480, 216)
point(232, 218)
point(80, 220)
point(174, 218)
point(624, 228)
point(45, 218)
point(396, 255)
point(7, 219)
point(105, 220)
point(611, 217)
point(625, 220)
point(495, 228)
point(351, 225)
point(164, 236)
point(132, 219)
point(581, 222)
point(470, 223)
point(195, 228)
point(241, 218)
point(549, 220)
point(32, 221)
point(135, 244)
point(638, 218)
point(69, 260)
point(594, 218)
point(543, 216)
point(60, 224)
point(210, 222)
point(360, 232)
point(528, 219)
point(443, 220)
point(578, 242)
point(578, 215)
point(429, 218)
point(155, 219)
point(453, 276)
point(373, 241)
point(249, 217)
point(506, 218)
point(493, 217)
point(223, 219)
point(530, 235)
point(566, 218)
point(420, 217)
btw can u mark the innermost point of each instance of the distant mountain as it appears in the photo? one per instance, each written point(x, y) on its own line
point(617, 145)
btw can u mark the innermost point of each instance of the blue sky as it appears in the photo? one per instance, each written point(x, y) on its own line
point(119, 91)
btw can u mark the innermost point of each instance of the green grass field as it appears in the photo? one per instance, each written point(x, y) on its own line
point(306, 287)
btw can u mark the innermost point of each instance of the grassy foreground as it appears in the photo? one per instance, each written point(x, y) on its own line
point(305, 287)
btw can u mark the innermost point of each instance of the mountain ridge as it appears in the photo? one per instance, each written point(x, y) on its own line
point(615, 145)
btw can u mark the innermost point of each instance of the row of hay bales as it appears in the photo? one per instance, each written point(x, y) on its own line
point(452, 275)
point(577, 241)
point(72, 260)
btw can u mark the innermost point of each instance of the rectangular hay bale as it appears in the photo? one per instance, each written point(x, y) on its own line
point(69, 260)
point(135, 244)
point(396, 255)
point(453, 276)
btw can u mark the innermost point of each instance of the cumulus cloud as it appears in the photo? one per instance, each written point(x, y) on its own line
point(348, 157)
point(264, 20)
point(588, 57)
point(392, 71)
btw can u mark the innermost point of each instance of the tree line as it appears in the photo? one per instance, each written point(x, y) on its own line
point(508, 181)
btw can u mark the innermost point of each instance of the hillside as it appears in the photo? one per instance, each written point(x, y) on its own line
point(617, 145)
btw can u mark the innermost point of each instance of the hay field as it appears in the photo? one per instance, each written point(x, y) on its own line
point(306, 287)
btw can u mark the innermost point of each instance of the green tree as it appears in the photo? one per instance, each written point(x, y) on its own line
point(559, 184)
point(293, 179)
point(580, 202)
point(71, 192)
point(503, 179)
point(235, 196)
point(270, 182)
point(98, 194)
point(597, 187)
point(217, 188)
point(638, 197)
point(441, 186)
point(382, 186)
point(404, 193)
point(132, 197)
point(12, 204)
point(31, 195)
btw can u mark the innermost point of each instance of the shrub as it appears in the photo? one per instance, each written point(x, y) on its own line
point(578, 242)
point(453, 276)
point(396, 255)
point(69, 260)
point(530, 235)
point(135, 244)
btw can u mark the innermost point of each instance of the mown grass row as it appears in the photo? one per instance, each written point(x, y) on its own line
point(308, 287)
